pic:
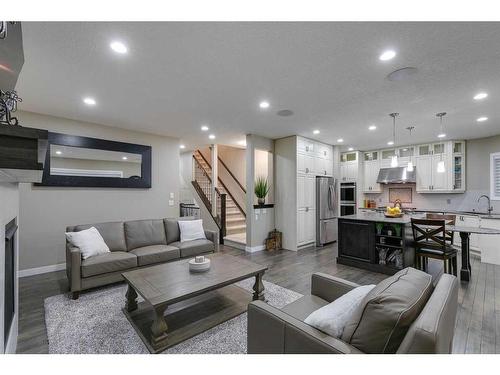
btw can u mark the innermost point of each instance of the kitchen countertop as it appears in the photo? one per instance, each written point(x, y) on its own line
point(482, 215)
point(406, 219)
point(379, 217)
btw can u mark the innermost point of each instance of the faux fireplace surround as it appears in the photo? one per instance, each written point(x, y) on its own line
point(9, 279)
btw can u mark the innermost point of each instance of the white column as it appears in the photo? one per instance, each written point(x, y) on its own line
point(215, 176)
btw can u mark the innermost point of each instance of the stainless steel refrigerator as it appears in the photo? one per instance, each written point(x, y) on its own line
point(326, 210)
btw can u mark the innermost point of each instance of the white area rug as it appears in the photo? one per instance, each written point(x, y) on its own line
point(95, 323)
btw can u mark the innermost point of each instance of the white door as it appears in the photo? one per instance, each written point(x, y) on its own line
point(367, 177)
point(329, 167)
point(468, 221)
point(301, 162)
point(301, 227)
point(309, 162)
point(310, 192)
point(310, 235)
point(439, 179)
point(424, 173)
point(301, 191)
point(343, 171)
point(471, 221)
point(490, 244)
point(352, 171)
point(371, 169)
point(320, 166)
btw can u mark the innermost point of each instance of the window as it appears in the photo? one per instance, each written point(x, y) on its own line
point(495, 176)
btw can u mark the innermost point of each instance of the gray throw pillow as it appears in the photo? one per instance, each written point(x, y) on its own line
point(381, 321)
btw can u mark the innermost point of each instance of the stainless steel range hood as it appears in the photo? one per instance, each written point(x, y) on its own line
point(398, 175)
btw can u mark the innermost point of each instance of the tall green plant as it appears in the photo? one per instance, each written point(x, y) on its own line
point(261, 187)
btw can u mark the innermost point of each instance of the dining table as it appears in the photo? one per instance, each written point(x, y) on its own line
point(465, 232)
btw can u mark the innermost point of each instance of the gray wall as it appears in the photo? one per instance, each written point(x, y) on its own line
point(477, 181)
point(46, 211)
point(9, 209)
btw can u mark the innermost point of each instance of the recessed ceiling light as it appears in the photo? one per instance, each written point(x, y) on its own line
point(372, 127)
point(390, 143)
point(243, 142)
point(119, 47)
point(124, 158)
point(58, 152)
point(481, 95)
point(182, 147)
point(264, 104)
point(482, 119)
point(340, 140)
point(211, 136)
point(204, 128)
point(316, 131)
point(387, 55)
point(89, 101)
point(442, 135)
point(350, 149)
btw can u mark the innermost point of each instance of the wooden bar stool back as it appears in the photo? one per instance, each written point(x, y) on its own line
point(430, 241)
point(449, 220)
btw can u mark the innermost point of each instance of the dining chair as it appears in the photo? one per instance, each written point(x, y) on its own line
point(449, 220)
point(430, 241)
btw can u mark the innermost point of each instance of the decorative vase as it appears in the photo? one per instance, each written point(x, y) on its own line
point(261, 201)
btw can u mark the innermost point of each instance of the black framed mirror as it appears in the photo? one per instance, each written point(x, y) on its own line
point(77, 161)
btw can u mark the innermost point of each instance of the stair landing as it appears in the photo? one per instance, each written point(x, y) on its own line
point(237, 240)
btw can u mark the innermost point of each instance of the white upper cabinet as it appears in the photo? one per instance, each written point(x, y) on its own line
point(349, 166)
point(314, 158)
point(426, 158)
point(371, 170)
point(424, 173)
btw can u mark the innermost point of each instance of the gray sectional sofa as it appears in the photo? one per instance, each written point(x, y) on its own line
point(403, 314)
point(132, 244)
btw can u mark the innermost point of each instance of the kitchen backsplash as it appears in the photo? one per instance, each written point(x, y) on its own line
point(460, 202)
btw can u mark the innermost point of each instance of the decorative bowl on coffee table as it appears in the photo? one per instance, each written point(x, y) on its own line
point(199, 264)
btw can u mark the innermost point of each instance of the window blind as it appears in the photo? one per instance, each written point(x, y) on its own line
point(495, 176)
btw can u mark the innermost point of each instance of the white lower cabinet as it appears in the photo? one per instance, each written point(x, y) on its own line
point(490, 244)
point(306, 228)
point(469, 221)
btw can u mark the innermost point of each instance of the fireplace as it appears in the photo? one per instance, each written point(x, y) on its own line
point(10, 277)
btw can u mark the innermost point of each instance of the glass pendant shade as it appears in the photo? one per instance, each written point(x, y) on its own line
point(409, 168)
point(440, 167)
point(394, 161)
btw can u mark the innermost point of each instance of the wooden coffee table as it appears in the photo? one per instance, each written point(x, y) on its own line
point(196, 301)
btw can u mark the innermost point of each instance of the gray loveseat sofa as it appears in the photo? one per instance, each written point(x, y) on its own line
point(428, 329)
point(132, 244)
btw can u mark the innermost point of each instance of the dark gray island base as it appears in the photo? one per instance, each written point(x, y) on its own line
point(376, 243)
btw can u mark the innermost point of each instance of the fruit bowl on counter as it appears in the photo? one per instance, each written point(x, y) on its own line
point(393, 212)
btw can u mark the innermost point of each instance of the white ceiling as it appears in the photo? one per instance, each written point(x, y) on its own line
point(178, 76)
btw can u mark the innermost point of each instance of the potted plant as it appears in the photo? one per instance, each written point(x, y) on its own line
point(261, 190)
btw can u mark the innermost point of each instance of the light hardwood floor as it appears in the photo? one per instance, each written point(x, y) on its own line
point(478, 320)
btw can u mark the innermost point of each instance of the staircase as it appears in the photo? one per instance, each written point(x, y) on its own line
point(235, 216)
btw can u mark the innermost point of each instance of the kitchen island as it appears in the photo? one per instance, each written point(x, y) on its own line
point(375, 242)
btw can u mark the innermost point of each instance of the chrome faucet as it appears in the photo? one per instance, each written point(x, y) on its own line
point(490, 208)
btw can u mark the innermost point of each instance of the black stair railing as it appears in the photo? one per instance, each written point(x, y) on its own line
point(202, 183)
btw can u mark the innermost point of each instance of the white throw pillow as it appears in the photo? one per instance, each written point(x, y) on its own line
point(333, 317)
point(89, 241)
point(191, 230)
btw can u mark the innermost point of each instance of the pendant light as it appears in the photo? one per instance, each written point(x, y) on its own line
point(441, 168)
point(441, 134)
point(409, 168)
point(394, 159)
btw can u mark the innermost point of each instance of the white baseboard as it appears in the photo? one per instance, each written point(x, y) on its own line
point(254, 249)
point(40, 270)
